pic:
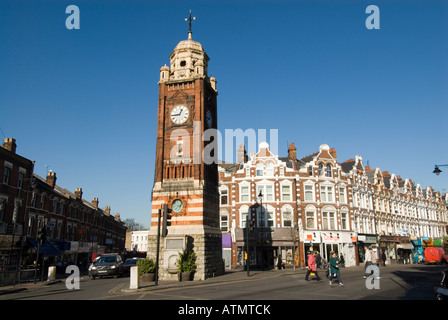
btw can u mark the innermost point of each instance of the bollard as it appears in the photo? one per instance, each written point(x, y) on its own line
point(51, 274)
point(134, 278)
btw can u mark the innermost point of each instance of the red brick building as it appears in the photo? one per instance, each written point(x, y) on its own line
point(76, 229)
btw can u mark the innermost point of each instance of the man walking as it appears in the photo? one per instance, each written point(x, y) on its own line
point(367, 261)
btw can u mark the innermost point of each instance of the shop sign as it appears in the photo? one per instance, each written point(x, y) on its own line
point(329, 238)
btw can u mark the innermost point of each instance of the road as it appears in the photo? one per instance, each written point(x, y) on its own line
point(399, 282)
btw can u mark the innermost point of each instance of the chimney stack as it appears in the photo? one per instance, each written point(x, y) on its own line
point(95, 202)
point(117, 217)
point(10, 144)
point(242, 154)
point(292, 152)
point(51, 179)
point(107, 211)
point(78, 193)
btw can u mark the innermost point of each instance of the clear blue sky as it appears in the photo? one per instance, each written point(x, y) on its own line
point(84, 102)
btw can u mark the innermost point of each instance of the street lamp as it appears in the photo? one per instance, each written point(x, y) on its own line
point(437, 171)
point(260, 195)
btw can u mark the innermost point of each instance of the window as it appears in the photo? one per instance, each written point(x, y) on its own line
point(310, 216)
point(33, 200)
point(267, 192)
point(282, 171)
point(223, 195)
point(344, 220)
point(328, 170)
point(326, 193)
point(243, 215)
point(20, 180)
point(259, 169)
point(7, 175)
point(265, 216)
point(269, 169)
point(287, 217)
point(224, 221)
point(321, 166)
point(244, 194)
point(286, 193)
point(31, 220)
point(55, 203)
point(310, 171)
point(309, 194)
point(342, 198)
point(328, 220)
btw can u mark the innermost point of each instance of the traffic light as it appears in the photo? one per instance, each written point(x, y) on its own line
point(251, 226)
point(166, 220)
point(42, 235)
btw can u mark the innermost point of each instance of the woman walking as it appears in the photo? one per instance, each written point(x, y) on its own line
point(334, 269)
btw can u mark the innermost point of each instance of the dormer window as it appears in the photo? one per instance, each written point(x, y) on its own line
point(328, 170)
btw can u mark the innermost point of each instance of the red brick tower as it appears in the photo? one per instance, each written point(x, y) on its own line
point(187, 107)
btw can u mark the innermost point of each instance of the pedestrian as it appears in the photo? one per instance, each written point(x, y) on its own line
point(342, 261)
point(367, 261)
point(318, 260)
point(279, 262)
point(334, 269)
point(311, 266)
point(375, 262)
point(383, 256)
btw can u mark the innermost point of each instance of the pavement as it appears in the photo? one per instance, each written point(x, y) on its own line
point(230, 276)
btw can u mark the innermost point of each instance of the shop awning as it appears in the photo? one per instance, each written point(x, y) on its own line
point(407, 246)
point(47, 249)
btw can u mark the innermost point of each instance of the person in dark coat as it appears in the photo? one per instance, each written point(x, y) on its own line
point(334, 269)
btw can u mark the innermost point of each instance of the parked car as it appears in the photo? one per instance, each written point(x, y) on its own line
point(106, 265)
point(435, 255)
point(128, 264)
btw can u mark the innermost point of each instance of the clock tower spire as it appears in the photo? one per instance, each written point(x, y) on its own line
point(187, 106)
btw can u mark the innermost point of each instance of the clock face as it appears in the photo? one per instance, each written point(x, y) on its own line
point(177, 205)
point(179, 114)
point(208, 119)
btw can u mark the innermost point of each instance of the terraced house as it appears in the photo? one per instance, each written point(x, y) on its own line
point(317, 203)
point(76, 230)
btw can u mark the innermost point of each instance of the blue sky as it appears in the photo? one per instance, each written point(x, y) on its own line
point(84, 102)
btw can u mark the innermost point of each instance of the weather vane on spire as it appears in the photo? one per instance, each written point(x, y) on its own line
point(190, 22)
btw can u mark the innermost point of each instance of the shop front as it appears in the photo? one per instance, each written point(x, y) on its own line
point(398, 249)
point(265, 246)
point(369, 240)
point(324, 242)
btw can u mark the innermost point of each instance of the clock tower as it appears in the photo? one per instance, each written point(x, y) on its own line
point(187, 108)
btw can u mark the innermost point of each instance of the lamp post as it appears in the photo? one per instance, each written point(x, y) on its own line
point(437, 171)
point(260, 195)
